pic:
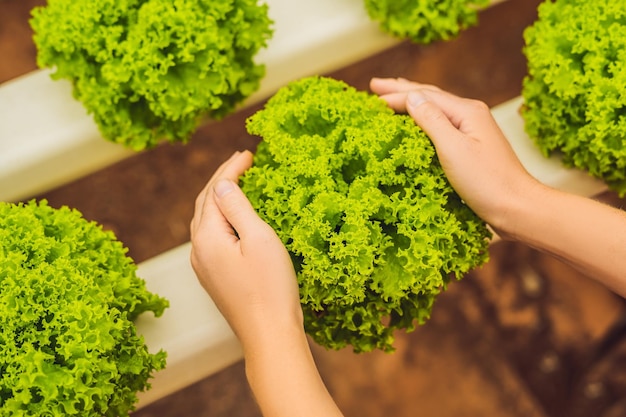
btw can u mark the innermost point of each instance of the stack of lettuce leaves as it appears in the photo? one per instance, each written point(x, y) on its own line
point(575, 94)
point(68, 297)
point(425, 21)
point(152, 70)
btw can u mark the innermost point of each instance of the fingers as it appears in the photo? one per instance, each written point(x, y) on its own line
point(235, 207)
point(428, 114)
point(456, 109)
point(383, 86)
point(464, 114)
point(470, 117)
point(200, 199)
point(218, 172)
point(232, 169)
point(397, 101)
point(395, 90)
point(205, 206)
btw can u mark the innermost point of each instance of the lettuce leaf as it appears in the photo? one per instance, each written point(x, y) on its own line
point(358, 197)
point(68, 295)
point(150, 70)
point(425, 21)
point(575, 102)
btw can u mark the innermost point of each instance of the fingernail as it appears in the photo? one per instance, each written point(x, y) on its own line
point(223, 187)
point(415, 99)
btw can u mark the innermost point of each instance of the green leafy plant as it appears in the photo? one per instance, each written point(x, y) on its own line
point(150, 70)
point(574, 93)
point(68, 295)
point(424, 21)
point(357, 195)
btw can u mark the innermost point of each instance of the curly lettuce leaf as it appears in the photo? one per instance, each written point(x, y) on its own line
point(69, 293)
point(425, 21)
point(150, 70)
point(357, 195)
point(574, 92)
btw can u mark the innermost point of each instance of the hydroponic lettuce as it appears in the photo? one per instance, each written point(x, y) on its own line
point(150, 70)
point(575, 91)
point(358, 197)
point(68, 295)
point(424, 21)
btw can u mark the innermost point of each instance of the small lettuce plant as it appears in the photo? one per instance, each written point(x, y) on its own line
point(151, 70)
point(68, 298)
point(575, 90)
point(425, 21)
point(358, 197)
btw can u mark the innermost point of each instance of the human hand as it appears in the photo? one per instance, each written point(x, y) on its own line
point(241, 262)
point(243, 265)
point(476, 157)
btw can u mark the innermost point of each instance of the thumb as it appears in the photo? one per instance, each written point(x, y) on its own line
point(235, 206)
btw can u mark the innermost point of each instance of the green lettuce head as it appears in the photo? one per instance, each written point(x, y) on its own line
point(68, 295)
point(425, 21)
point(357, 195)
point(150, 70)
point(575, 91)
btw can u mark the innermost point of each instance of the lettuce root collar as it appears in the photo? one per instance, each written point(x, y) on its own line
point(68, 346)
point(358, 197)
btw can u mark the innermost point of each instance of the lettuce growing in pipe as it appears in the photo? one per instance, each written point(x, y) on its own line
point(575, 90)
point(357, 195)
point(424, 21)
point(150, 70)
point(68, 295)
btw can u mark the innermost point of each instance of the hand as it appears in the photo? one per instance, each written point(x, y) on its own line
point(483, 169)
point(241, 262)
point(476, 157)
point(246, 270)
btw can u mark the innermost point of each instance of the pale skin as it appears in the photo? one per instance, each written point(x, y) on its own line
point(249, 275)
point(251, 279)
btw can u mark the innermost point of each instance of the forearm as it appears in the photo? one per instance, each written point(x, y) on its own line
point(586, 234)
point(285, 380)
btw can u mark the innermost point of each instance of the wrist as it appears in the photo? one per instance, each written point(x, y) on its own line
point(273, 336)
point(276, 364)
point(511, 218)
point(283, 376)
